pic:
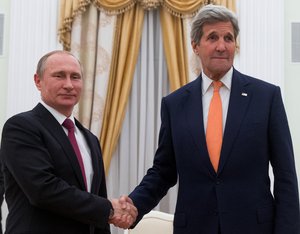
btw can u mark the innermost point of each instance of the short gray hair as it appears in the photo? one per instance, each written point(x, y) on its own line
point(212, 14)
point(41, 66)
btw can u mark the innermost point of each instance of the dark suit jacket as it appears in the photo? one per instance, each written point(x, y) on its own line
point(1, 195)
point(237, 199)
point(43, 183)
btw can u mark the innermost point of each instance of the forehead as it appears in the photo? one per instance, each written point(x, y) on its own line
point(218, 27)
point(62, 61)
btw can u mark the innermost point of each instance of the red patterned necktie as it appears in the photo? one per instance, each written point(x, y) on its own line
point(68, 124)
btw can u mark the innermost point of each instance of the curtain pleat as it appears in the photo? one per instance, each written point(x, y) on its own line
point(127, 42)
point(69, 9)
point(84, 46)
point(230, 4)
point(185, 8)
point(115, 6)
point(175, 49)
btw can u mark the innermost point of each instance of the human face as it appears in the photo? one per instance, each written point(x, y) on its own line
point(216, 49)
point(61, 82)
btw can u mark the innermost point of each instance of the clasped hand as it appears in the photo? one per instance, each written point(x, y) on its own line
point(125, 212)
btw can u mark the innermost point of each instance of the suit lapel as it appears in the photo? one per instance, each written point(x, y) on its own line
point(239, 100)
point(194, 116)
point(54, 128)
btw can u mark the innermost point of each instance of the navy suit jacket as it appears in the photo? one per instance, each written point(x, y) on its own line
point(44, 187)
point(236, 199)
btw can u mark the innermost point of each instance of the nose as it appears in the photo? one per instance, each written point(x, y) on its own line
point(221, 46)
point(68, 83)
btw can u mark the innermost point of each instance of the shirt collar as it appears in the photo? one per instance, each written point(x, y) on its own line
point(57, 115)
point(226, 80)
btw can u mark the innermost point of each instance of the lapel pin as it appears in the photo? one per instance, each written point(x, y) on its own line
point(244, 94)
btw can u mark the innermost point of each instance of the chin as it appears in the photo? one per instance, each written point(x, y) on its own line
point(222, 69)
point(68, 104)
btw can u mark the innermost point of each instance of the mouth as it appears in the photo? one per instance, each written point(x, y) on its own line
point(224, 58)
point(67, 95)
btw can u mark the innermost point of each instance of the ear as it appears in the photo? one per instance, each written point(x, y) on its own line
point(194, 46)
point(37, 81)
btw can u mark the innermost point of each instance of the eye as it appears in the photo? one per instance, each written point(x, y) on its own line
point(229, 38)
point(76, 77)
point(212, 37)
point(58, 75)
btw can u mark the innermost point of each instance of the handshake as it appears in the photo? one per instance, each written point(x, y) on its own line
point(125, 212)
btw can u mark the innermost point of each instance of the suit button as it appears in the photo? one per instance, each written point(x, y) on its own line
point(218, 181)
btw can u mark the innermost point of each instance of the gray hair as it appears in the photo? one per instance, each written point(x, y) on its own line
point(41, 66)
point(212, 14)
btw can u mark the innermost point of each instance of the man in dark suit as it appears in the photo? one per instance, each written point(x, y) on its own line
point(47, 190)
point(230, 194)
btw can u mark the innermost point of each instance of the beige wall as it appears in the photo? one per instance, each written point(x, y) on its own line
point(292, 79)
point(4, 8)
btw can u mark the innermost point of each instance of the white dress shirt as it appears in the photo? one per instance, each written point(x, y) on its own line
point(81, 141)
point(207, 93)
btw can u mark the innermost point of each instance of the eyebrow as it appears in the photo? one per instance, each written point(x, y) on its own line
point(58, 72)
point(64, 72)
point(214, 32)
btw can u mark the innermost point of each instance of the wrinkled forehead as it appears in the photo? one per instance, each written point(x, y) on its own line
point(219, 26)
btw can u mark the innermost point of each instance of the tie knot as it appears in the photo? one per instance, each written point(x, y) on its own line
point(68, 124)
point(217, 85)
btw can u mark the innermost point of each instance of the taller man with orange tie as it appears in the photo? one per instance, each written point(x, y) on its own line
point(52, 166)
point(219, 135)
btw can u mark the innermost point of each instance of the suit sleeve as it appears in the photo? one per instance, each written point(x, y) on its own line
point(285, 179)
point(33, 172)
point(162, 175)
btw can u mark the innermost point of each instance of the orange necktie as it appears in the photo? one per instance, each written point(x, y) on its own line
point(214, 129)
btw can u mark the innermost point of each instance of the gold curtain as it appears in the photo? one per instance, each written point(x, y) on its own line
point(126, 48)
point(230, 4)
point(175, 49)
